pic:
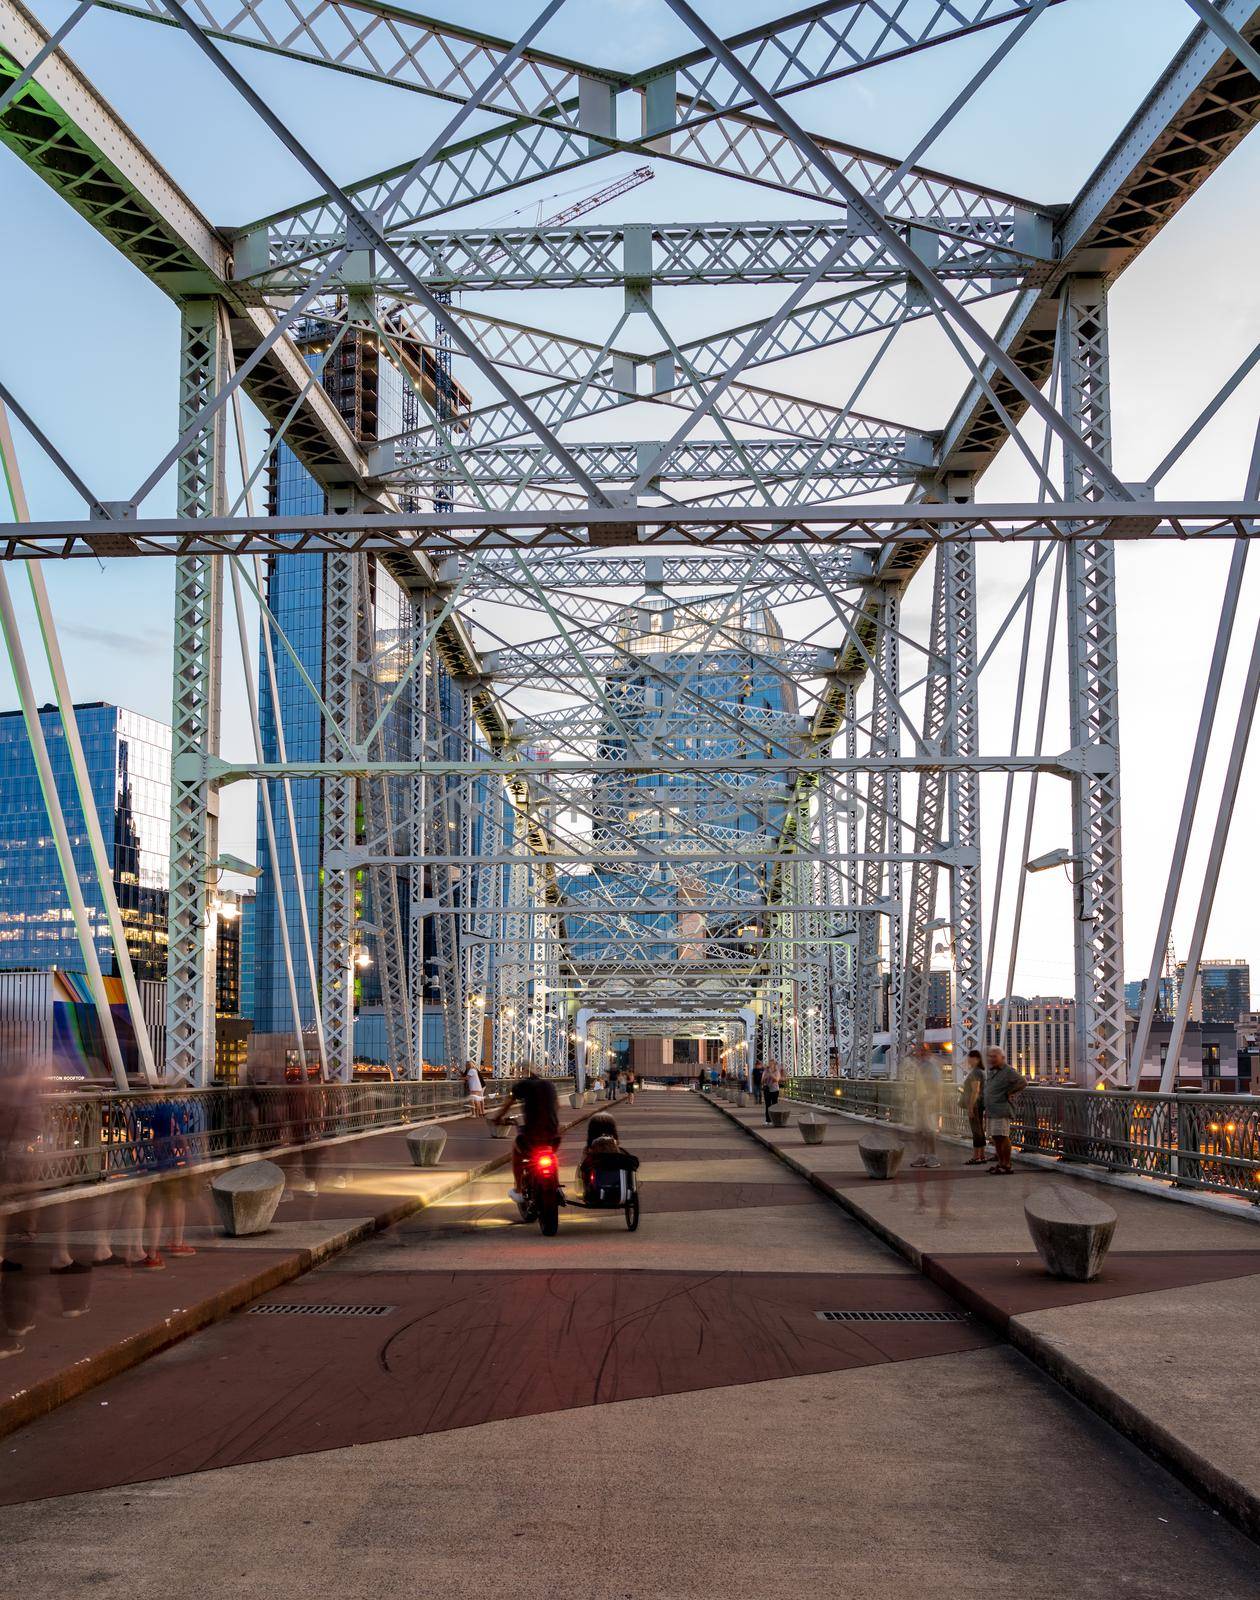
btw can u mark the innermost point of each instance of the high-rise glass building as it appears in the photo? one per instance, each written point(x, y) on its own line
point(373, 397)
point(129, 769)
point(1223, 992)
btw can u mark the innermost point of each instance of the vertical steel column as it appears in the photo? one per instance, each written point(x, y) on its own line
point(929, 823)
point(487, 881)
point(779, 1008)
point(378, 815)
point(418, 834)
point(545, 1038)
point(201, 491)
point(810, 954)
point(890, 664)
point(844, 999)
point(512, 967)
point(964, 800)
point(337, 911)
point(448, 725)
point(831, 894)
point(1092, 665)
point(883, 804)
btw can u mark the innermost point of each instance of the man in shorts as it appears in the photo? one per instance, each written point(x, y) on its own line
point(1002, 1084)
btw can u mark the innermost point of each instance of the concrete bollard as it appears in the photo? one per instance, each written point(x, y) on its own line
point(503, 1130)
point(881, 1153)
point(813, 1129)
point(1071, 1229)
point(780, 1116)
point(246, 1197)
point(426, 1144)
point(575, 1100)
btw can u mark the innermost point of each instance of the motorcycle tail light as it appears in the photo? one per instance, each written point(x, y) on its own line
point(545, 1162)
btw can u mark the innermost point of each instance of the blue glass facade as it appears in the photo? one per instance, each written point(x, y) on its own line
point(295, 597)
point(248, 954)
point(129, 767)
point(1225, 988)
point(370, 394)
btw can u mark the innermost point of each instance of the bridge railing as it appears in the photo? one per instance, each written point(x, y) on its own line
point(93, 1136)
point(1194, 1141)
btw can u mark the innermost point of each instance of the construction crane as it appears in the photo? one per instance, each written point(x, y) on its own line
point(1172, 980)
point(601, 197)
point(443, 386)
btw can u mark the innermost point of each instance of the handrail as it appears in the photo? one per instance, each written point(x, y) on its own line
point(1191, 1141)
point(94, 1136)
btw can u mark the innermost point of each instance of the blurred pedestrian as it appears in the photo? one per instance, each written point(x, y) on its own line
point(758, 1072)
point(168, 1155)
point(1002, 1086)
point(771, 1083)
point(476, 1090)
point(926, 1105)
point(971, 1094)
point(21, 1124)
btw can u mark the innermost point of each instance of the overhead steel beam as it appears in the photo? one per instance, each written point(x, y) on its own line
point(856, 454)
point(616, 527)
point(643, 254)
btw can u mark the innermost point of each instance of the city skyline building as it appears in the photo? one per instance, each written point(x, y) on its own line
point(1212, 1058)
point(233, 1024)
point(1039, 1036)
point(1222, 992)
point(128, 761)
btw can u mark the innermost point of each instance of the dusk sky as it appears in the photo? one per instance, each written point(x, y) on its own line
point(91, 348)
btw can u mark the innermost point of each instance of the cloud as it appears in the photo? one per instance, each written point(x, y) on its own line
point(130, 641)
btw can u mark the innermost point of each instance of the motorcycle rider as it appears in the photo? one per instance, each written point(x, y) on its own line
point(540, 1123)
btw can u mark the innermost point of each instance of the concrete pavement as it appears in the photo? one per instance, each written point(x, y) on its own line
point(65, 1334)
point(1153, 1345)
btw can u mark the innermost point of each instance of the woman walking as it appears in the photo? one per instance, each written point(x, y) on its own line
point(475, 1089)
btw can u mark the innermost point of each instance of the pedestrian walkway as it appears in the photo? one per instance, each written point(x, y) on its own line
point(458, 1406)
point(1153, 1344)
point(77, 1329)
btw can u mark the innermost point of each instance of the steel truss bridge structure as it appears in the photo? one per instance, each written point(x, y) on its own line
point(682, 731)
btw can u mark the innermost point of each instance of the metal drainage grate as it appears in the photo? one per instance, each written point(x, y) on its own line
point(891, 1316)
point(293, 1310)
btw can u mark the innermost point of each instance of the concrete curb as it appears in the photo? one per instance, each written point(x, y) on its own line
point(53, 1391)
point(1222, 1492)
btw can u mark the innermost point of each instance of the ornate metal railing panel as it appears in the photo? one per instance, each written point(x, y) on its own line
point(1193, 1141)
point(95, 1136)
